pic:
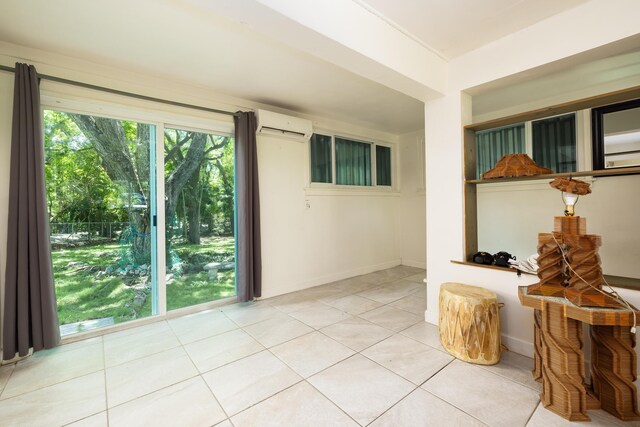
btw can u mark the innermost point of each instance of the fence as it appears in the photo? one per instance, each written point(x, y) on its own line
point(62, 232)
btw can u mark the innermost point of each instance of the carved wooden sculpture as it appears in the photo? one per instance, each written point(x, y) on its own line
point(559, 360)
point(577, 275)
point(563, 374)
point(613, 371)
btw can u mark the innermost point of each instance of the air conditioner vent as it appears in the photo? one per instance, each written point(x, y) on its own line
point(281, 125)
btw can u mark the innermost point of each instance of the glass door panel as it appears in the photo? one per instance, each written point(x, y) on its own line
point(101, 197)
point(199, 215)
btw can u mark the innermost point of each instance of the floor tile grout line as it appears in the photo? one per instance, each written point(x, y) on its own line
point(454, 406)
point(394, 405)
point(104, 373)
point(506, 377)
point(322, 370)
point(13, 368)
point(532, 413)
point(29, 358)
point(50, 385)
point(267, 398)
point(330, 400)
point(216, 399)
point(461, 409)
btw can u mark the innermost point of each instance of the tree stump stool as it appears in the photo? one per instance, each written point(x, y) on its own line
point(469, 323)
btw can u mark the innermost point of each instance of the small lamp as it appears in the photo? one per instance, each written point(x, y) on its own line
point(570, 200)
point(571, 190)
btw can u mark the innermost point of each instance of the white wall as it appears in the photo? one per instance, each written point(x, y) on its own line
point(6, 112)
point(340, 234)
point(412, 200)
point(511, 216)
point(559, 37)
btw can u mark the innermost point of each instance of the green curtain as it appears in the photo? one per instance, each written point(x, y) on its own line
point(320, 158)
point(554, 143)
point(353, 162)
point(383, 165)
point(493, 144)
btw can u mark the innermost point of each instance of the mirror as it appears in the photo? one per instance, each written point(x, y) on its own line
point(616, 135)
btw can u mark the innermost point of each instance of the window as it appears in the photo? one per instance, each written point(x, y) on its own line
point(320, 158)
point(383, 165)
point(353, 162)
point(124, 247)
point(550, 142)
point(493, 144)
point(345, 161)
point(554, 143)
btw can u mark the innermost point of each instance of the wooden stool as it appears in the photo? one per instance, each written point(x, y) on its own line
point(469, 323)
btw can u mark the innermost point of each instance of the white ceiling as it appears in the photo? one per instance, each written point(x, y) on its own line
point(176, 40)
point(454, 27)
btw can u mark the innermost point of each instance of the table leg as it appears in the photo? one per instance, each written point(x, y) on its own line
point(613, 370)
point(537, 346)
point(563, 372)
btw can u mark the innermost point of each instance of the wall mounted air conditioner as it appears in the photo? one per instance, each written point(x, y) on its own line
point(283, 126)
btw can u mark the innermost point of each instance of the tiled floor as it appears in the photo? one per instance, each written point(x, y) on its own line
point(353, 352)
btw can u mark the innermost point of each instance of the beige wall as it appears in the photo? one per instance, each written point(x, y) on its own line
point(312, 236)
point(412, 200)
point(511, 216)
point(6, 112)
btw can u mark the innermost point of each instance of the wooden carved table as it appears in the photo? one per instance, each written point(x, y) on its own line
point(559, 359)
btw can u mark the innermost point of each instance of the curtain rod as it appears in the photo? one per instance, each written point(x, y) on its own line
point(121, 92)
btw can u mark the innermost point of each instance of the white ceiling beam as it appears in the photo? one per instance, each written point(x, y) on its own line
point(346, 34)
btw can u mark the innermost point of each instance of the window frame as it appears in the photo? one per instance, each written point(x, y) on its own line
point(582, 133)
point(312, 187)
point(70, 99)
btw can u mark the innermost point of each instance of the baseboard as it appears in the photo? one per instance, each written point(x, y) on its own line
point(519, 346)
point(333, 277)
point(416, 264)
point(516, 345)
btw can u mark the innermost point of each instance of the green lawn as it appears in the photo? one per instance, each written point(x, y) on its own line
point(90, 283)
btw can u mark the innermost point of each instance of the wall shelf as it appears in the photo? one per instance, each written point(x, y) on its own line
point(493, 267)
point(614, 281)
point(603, 172)
point(469, 137)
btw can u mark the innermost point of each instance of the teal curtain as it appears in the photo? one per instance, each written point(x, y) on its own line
point(554, 143)
point(493, 144)
point(383, 165)
point(353, 162)
point(320, 158)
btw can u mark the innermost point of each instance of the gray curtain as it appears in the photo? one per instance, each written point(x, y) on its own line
point(30, 314)
point(353, 162)
point(493, 144)
point(249, 263)
point(554, 143)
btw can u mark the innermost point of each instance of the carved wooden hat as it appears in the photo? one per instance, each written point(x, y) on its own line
point(569, 185)
point(515, 165)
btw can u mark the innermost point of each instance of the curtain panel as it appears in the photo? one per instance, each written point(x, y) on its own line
point(554, 143)
point(30, 312)
point(353, 162)
point(321, 158)
point(249, 262)
point(493, 144)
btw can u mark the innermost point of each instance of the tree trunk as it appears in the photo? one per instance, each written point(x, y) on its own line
point(185, 170)
point(228, 187)
point(192, 189)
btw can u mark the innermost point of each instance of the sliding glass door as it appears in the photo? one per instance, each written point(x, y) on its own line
point(107, 230)
point(199, 216)
point(101, 197)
